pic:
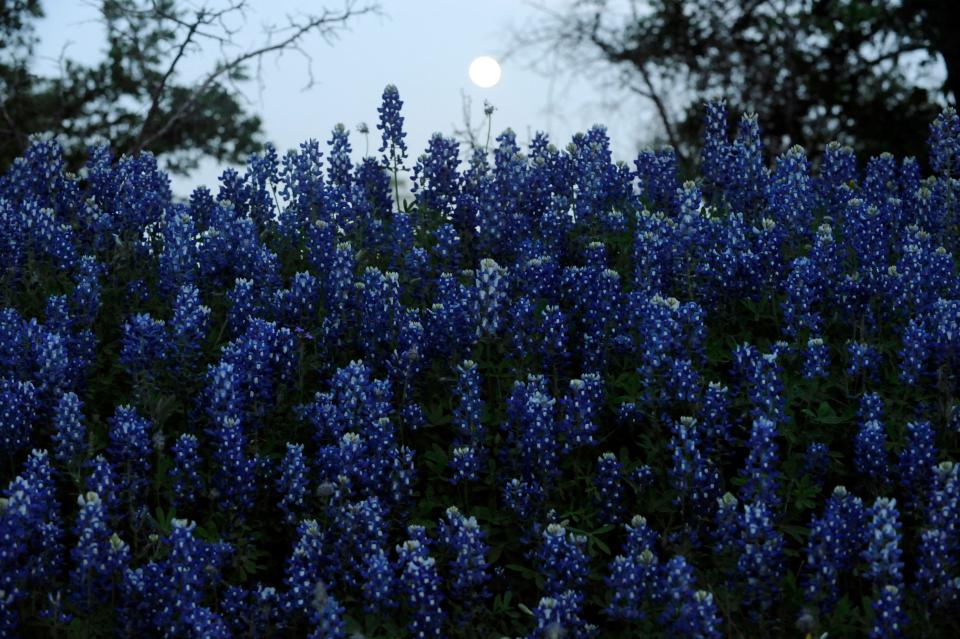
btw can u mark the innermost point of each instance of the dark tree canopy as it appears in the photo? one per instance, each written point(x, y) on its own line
point(863, 72)
point(136, 97)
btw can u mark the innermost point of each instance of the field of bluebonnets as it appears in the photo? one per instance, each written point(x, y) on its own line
point(551, 396)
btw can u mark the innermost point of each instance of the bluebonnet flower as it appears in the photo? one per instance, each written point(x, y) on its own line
point(885, 567)
point(532, 429)
point(436, 181)
point(292, 483)
point(916, 461)
point(131, 442)
point(233, 478)
point(178, 258)
point(491, 295)
point(243, 304)
point(187, 482)
point(466, 542)
point(639, 536)
point(465, 462)
point(608, 480)
point(378, 581)
point(30, 527)
point(467, 420)
point(760, 470)
point(684, 380)
point(403, 475)
point(553, 329)
point(303, 187)
point(816, 358)
point(581, 407)
point(676, 587)
point(454, 315)
point(599, 183)
point(563, 562)
point(789, 192)
point(18, 407)
point(945, 329)
point(190, 320)
point(53, 370)
point(391, 126)
point(832, 546)
point(693, 475)
point(355, 397)
point(379, 305)
point(838, 176)
point(922, 275)
point(144, 345)
point(169, 594)
point(596, 313)
point(374, 185)
point(804, 289)
point(714, 416)
point(863, 359)
point(263, 360)
point(407, 360)
point(363, 533)
point(714, 151)
point(746, 175)
point(420, 583)
point(522, 497)
point(761, 372)
point(326, 615)
point(816, 462)
point(870, 454)
point(339, 166)
point(699, 617)
point(760, 563)
point(250, 610)
point(936, 568)
point(944, 143)
point(557, 615)
point(634, 576)
point(468, 413)
point(448, 247)
point(883, 553)
point(307, 565)
point(301, 300)
point(889, 618)
point(41, 232)
point(99, 555)
point(631, 582)
point(657, 174)
point(726, 533)
point(937, 552)
point(871, 407)
point(944, 504)
point(102, 479)
point(69, 432)
point(85, 299)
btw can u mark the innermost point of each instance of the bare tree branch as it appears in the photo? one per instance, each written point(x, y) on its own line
point(162, 85)
point(327, 25)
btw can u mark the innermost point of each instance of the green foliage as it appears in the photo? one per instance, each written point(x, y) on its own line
point(814, 71)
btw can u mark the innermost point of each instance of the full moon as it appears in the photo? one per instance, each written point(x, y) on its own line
point(484, 72)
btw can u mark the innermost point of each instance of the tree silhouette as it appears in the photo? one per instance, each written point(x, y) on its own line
point(136, 98)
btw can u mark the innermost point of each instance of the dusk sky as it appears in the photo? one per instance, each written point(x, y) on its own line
point(423, 46)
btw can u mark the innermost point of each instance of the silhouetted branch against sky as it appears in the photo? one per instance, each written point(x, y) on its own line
point(812, 71)
point(220, 25)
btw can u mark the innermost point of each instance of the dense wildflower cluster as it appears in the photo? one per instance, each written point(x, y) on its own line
point(549, 395)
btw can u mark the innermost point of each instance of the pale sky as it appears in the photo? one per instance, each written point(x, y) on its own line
point(423, 46)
